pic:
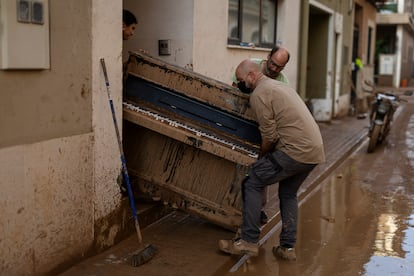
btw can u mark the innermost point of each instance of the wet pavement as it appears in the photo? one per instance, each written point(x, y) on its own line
point(355, 219)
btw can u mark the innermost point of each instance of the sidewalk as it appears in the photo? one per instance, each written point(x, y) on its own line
point(187, 245)
point(340, 137)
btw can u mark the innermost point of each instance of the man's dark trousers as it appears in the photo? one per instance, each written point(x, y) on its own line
point(272, 168)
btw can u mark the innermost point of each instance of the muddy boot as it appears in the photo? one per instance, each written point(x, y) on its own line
point(239, 247)
point(284, 253)
point(263, 217)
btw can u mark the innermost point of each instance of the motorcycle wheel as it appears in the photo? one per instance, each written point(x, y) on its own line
point(373, 140)
point(385, 131)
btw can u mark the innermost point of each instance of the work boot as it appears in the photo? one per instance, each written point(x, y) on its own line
point(239, 247)
point(263, 217)
point(284, 253)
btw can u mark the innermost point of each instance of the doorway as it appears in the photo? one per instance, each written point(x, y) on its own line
point(320, 65)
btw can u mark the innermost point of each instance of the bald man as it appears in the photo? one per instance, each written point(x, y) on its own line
point(273, 65)
point(291, 147)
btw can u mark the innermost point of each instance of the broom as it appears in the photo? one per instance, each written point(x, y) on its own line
point(144, 253)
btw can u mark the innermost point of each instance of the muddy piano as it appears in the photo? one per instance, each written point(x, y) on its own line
point(188, 139)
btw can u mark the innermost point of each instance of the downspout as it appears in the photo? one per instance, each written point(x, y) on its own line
point(302, 58)
point(350, 6)
point(398, 56)
point(398, 47)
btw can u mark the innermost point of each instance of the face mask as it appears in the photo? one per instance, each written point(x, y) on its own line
point(243, 88)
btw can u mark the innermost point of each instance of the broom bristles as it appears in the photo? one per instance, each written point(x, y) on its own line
point(143, 255)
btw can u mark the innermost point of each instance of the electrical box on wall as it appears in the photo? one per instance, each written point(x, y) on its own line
point(24, 34)
point(164, 47)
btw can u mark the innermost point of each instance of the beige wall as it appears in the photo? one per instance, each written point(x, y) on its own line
point(288, 30)
point(367, 19)
point(163, 19)
point(407, 55)
point(198, 33)
point(40, 105)
point(341, 64)
point(46, 204)
point(107, 44)
point(214, 58)
point(59, 158)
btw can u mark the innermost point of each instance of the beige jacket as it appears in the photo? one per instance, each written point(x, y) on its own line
point(285, 120)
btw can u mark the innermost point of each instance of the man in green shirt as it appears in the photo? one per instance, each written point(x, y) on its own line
point(273, 65)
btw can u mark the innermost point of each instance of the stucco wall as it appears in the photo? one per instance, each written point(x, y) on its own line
point(198, 33)
point(368, 17)
point(46, 204)
point(59, 157)
point(163, 19)
point(407, 55)
point(107, 44)
point(214, 58)
point(288, 30)
point(40, 105)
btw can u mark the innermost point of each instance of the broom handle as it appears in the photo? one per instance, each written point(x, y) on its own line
point(124, 167)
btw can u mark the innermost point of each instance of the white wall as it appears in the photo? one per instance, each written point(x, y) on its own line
point(198, 32)
point(214, 58)
point(163, 19)
point(288, 34)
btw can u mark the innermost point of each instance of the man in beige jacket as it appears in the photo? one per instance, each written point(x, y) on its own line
point(291, 147)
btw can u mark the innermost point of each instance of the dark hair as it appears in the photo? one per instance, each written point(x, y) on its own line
point(275, 49)
point(128, 18)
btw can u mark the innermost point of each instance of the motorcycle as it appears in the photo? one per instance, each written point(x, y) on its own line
point(382, 111)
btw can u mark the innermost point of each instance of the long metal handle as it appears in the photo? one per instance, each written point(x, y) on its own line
point(124, 167)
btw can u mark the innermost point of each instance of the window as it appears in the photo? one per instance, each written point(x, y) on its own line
point(252, 21)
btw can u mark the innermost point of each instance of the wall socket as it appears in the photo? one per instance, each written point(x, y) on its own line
point(164, 47)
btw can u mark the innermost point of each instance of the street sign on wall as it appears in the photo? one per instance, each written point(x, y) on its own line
point(386, 65)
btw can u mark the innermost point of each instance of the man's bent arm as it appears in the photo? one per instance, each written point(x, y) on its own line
point(265, 147)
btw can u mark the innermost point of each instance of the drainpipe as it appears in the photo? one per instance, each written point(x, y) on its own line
point(398, 56)
point(398, 46)
point(302, 58)
point(350, 6)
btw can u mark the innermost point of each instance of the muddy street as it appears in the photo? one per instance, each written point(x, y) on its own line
point(358, 221)
point(361, 221)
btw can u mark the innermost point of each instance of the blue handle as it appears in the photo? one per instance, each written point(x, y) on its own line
point(124, 167)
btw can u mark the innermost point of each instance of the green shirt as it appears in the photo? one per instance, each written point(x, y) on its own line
point(280, 77)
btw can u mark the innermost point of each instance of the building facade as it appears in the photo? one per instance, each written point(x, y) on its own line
point(394, 57)
point(58, 151)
